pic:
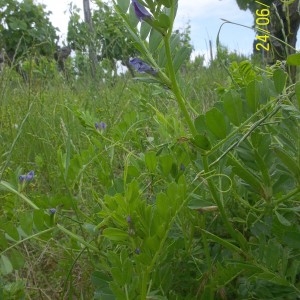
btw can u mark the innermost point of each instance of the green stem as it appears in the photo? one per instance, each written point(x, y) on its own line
point(26, 239)
point(218, 201)
point(175, 87)
point(7, 186)
point(172, 75)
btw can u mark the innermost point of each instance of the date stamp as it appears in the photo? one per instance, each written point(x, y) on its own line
point(262, 21)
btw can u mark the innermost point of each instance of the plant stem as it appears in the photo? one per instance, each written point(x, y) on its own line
point(218, 201)
point(175, 88)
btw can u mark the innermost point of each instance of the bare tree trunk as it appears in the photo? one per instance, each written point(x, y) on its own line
point(284, 25)
point(92, 52)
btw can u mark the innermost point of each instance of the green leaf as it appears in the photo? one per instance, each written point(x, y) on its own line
point(123, 4)
point(246, 175)
point(282, 219)
point(151, 161)
point(5, 265)
point(38, 219)
point(12, 232)
point(233, 107)
point(293, 59)
point(292, 239)
point(253, 94)
point(279, 78)
point(155, 40)
point(297, 91)
point(288, 161)
point(202, 142)
point(145, 30)
point(215, 122)
point(163, 21)
point(166, 162)
point(26, 223)
point(133, 20)
point(166, 3)
point(16, 258)
point(200, 124)
point(181, 56)
point(115, 234)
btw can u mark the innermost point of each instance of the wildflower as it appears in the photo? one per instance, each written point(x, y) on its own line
point(137, 251)
point(52, 211)
point(140, 11)
point(100, 125)
point(128, 219)
point(27, 177)
point(141, 66)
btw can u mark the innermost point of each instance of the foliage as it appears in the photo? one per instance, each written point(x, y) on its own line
point(112, 39)
point(144, 191)
point(26, 29)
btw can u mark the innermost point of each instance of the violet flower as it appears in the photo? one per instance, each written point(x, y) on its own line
point(27, 177)
point(52, 211)
point(100, 125)
point(141, 66)
point(140, 11)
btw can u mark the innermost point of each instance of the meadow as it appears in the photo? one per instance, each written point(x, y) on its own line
point(180, 183)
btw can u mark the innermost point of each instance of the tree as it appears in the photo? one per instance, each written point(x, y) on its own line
point(283, 24)
point(88, 20)
point(25, 30)
point(109, 39)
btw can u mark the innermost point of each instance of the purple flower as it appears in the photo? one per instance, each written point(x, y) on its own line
point(137, 251)
point(128, 219)
point(140, 11)
point(141, 66)
point(100, 125)
point(27, 177)
point(52, 211)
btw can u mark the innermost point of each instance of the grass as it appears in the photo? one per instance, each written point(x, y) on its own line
point(48, 126)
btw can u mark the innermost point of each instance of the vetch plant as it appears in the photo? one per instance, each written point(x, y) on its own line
point(141, 66)
point(27, 177)
point(202, 224)
point(140, 11)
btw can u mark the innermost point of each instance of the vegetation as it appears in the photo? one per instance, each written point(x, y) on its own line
point(181, 183)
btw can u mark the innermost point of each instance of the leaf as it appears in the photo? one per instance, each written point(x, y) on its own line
point(233, 107)
point(5, 265)
point(145, 30)
point(291, 164)
point(151, 161)
point(246, 175)
point(38, 219)
point(292, 239)
point(163, 21)
point(293, 59)
point(166, 162)
point(166, 3)
point(297, 91)
point(12, 232)
point(181, 56)
point(202, 142)
point(282, 219)
point(133, 20)
point(200, 124)
point(123, 4)
point(253, 94)
point(155, 40)
point(279, 78)
point(215, 122)
point(115, 234)
point(16, 258)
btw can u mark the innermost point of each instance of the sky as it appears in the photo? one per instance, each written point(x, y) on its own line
point(204, 17)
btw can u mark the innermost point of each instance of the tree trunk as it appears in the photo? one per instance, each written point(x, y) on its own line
point(284, 25)
point(89, 22)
